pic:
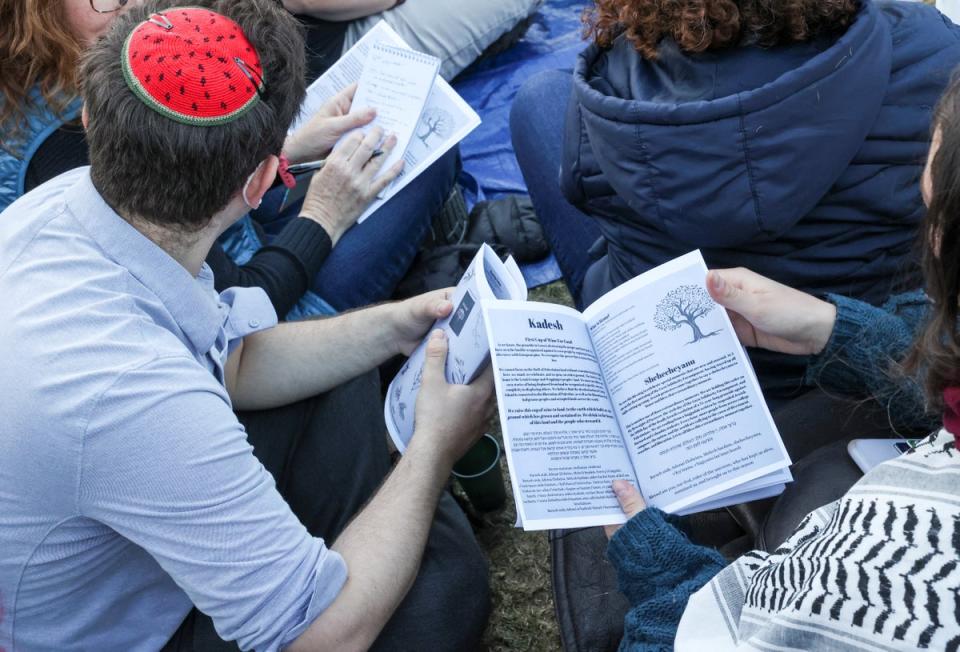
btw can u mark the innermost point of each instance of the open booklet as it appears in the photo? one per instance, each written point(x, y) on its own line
point(649, 384)
point(486, 279)
point(444, 121)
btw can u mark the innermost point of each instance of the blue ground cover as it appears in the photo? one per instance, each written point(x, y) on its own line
point(551, 43)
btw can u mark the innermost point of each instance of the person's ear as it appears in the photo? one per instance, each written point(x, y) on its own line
point(84, 117)
point(261, 180)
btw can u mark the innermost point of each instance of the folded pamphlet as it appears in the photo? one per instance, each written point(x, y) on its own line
point(486, 279)
point(396, 82)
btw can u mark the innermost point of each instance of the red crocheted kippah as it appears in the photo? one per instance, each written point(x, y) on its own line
point(193, 66)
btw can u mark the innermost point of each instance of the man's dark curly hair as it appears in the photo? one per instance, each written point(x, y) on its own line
point(700, 25)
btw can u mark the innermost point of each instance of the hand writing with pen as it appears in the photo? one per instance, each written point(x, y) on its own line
point(347, 180)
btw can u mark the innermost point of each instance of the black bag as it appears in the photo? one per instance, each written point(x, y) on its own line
point(509, 225)
point(439, 267)
point(511, 222)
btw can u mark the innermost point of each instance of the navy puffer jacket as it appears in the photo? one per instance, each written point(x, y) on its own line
point(800, 162)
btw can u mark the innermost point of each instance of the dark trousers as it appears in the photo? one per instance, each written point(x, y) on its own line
point(537, 119)
point(328, 455)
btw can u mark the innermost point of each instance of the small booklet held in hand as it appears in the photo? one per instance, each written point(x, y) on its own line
point(487, 279)
point(444, 120)
point(397, 83)
point(649, 384)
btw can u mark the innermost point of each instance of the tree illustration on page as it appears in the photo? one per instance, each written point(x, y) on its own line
point(683, 306)
point(434, 121)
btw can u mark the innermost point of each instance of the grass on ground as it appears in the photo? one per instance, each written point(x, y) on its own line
point(523, 615)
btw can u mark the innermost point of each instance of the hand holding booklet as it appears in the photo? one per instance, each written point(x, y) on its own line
point(649, 384)
point(487, 278)
point(426, 129)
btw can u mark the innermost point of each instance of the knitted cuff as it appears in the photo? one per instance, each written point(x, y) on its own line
point(653, 559)
point(307, 242)
point(642, 539)
point(838, 365)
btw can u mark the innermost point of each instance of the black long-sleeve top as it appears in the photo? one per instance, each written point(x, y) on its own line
point(285, 268)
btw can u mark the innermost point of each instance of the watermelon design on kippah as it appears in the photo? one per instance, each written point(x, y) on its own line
point(194, 66)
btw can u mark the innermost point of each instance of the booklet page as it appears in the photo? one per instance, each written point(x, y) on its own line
point(445, 121)
point(560, 433)
point(396, 82)
point(692, 415)
point(468, 352)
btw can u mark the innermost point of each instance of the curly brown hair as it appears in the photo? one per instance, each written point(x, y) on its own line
point(700, 25)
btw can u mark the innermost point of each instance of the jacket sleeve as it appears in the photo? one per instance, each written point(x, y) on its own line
point(863, 352)
point(285, 269)
point(658, 569)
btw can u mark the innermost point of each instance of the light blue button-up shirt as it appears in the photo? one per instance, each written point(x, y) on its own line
point(128, 491)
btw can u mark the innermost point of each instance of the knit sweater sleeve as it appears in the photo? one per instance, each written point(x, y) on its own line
point(861, 356)
point(658, 569)
point(285, 268)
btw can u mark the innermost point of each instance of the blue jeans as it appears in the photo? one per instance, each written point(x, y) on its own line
point(537, 126)
point(371, 258)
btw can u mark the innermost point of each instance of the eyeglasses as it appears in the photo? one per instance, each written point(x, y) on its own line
point(107, 6)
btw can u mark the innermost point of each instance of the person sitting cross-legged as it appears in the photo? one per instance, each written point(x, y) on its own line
point(137, 513)
point(783, 136)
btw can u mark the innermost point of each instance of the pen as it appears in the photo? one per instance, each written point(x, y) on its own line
point(313, 166)
point(309, 166)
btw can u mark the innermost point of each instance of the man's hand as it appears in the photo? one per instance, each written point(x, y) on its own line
point(449, 418)
point(769, 315)
point(631, 502)
point(383, 545)
point(316, 139)
point(346, 185)
point(414, 317)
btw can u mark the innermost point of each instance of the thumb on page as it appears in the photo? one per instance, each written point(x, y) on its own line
point(436, 358)
point(726, 288)
point(631, 502)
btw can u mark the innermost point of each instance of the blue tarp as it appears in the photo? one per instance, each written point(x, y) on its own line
point(551, 43)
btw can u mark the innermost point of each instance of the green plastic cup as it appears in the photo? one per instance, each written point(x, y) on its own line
point(479, 474)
